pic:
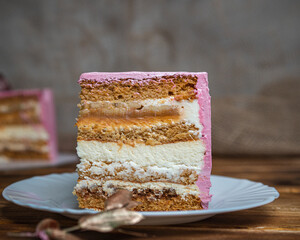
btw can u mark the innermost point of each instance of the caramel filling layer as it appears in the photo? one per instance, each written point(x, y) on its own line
point(111, 122)
point(125, 110)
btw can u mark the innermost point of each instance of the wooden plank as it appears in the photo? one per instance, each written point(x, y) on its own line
point(278, 220)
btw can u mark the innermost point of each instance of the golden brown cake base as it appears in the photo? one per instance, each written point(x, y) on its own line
point(12, 118)
point(15, 100)
point(24, 155)
point(181, 87)
point(147, 202)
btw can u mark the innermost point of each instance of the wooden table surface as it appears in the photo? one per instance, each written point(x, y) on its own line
point(277, 220)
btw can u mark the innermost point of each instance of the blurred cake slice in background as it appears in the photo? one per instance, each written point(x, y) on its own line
point(27, 126)
point(147, 132)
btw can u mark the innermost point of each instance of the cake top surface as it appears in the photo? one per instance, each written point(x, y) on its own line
point(106, 76)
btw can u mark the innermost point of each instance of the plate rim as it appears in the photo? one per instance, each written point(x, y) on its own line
point(270, 199)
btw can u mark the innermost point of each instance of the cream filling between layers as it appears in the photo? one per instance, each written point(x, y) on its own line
point(3, 159)
point(130, 170)
point(20, 106)
point(23, 146)
point(110, 186)
point(21, 132)
point(189, 154)
point(187, 110)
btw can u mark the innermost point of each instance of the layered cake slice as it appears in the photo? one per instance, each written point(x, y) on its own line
point(147, 132)
point(27, 126)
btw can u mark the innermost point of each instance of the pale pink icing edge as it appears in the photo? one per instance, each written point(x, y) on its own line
point(48, 118)
point(109, 76)
point(46, 100)
point(204, 182)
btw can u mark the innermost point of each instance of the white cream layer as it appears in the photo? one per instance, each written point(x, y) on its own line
point(23, 146)
point(110, 186)
point(21, 132)
point(189, 154)
point(3, 159)
point(128, 170)
point(188, 110)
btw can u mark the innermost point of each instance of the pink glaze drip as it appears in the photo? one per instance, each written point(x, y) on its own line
point(203, 182)
point(46, 101)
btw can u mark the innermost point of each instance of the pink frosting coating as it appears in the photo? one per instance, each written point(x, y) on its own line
point(113, 76)
point(45, 98)
point(203, 96)
point(48, 119)
point(203, 182)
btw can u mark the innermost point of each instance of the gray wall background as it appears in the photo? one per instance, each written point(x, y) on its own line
point(243, 45)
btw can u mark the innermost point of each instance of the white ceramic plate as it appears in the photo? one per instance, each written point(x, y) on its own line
point(62, 158)
point(53, 193)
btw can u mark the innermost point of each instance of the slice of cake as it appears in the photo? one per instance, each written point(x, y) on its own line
point(27, 126)
point(147, 132)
